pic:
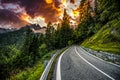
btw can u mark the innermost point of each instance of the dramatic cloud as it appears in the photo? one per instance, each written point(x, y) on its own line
point(49, 9)
point(30, 9)
point(9, 18)
point(72, 1)
point(22, 12)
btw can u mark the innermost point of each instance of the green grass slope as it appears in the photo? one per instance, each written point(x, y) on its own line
point(106, 39)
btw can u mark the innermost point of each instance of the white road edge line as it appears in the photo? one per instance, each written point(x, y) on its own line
point(58, 71)
point(93, 65)
point(100, 58)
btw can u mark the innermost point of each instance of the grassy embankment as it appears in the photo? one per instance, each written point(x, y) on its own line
point(33, 73)
point(106, 39)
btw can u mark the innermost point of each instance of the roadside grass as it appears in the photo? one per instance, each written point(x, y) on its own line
point(50, 75)
point(35, 72)
point(107, 39)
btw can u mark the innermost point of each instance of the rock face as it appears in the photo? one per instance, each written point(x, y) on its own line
point(38, 29)
point(35, 28)
point(114, 58)
point(115, 31)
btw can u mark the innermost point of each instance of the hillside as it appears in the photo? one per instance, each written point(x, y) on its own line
point(10, 38)
point(107, 38)
point(10, 46)
point(22, 53)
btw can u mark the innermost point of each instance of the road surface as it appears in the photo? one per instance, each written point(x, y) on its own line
point(77, 64)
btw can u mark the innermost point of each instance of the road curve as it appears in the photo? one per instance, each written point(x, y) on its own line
point(77, 64)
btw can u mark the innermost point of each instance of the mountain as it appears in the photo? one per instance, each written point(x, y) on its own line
point(3, 30)
point(107, 37)
point(36, 28)
point(12, 37)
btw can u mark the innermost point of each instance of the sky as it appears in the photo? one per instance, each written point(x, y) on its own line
point(18, 13)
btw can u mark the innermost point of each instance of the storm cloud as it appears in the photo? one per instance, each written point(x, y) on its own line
point(33, 8)
point(10, 18)
point(31, 11)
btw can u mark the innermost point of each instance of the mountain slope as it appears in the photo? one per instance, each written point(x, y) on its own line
point(107, 37)
point(11, 38)
point(10, 46)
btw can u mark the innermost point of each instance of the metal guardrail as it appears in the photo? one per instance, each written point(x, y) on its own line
point(47, 69)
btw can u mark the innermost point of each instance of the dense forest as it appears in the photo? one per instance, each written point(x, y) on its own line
point(21, 50)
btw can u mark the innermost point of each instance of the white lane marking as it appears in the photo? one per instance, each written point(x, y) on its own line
point(100, 58)
point(58, 73)
point(93, 65)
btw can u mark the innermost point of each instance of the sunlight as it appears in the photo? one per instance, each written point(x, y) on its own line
point(49, 1)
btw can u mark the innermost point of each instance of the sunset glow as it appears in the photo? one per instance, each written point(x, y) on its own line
point(49, 1)
point(41, 12)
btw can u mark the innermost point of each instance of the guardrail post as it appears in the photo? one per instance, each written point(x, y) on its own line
point(45, 63)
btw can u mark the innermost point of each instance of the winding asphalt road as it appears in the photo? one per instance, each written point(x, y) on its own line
point(77, 64)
